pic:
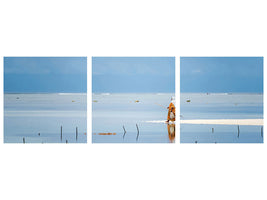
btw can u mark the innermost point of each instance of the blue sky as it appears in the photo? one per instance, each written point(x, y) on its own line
point(133, 74)
point(45, 74)
point(221, 74)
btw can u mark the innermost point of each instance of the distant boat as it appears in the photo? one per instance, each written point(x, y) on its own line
point(188, 100)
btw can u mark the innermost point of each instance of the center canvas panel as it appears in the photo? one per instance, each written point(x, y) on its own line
point(133, 99)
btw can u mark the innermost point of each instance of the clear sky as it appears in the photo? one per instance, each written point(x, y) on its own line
point(221, 74)
point(45, 74)
point(133, 74)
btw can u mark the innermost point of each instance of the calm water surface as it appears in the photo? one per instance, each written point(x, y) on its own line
point(27, 115)
point(220, 106)
point(113, 111)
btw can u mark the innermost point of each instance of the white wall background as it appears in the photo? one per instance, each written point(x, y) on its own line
point(132, 28)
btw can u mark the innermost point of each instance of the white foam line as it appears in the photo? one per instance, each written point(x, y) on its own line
point(249, 122)
point(159, 121)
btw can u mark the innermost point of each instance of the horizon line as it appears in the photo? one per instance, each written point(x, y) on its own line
point(226, 92)
point(45, 92)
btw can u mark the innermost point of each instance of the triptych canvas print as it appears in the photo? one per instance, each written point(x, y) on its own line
point(133, 100)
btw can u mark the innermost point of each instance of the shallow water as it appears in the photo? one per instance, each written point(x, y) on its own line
point(220, 106)
point(38, 118)
point(113, 111)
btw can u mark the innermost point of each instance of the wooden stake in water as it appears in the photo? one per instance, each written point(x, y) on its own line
point(76, 133)
point(212, 130)
point(137, 132)
point(238, 131)
point(66, 141)
point(124, 132)
point(23, 140)
point(61, 133)
point(261, 131)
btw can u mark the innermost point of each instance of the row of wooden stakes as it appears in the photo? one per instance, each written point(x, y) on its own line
point(61, 135)
point(137, 136)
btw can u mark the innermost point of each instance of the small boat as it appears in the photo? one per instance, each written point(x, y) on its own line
point(188, 100)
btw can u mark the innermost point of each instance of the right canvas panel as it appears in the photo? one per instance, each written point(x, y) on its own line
point(221, 100)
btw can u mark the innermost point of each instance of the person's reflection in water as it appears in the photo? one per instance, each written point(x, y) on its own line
point(171, 132)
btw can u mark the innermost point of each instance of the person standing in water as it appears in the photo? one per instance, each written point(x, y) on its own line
point(171, 111)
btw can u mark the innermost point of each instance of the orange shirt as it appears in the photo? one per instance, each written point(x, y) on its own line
point(171, 109)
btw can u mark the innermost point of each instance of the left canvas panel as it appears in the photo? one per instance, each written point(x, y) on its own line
point(45, 100)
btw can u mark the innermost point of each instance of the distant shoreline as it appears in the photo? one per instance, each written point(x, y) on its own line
point(158, 93)
point(45, 92)
point(222, 93)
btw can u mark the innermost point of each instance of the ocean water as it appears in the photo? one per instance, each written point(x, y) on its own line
point(221, 106)
point(112, 112)
point(38, 118)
